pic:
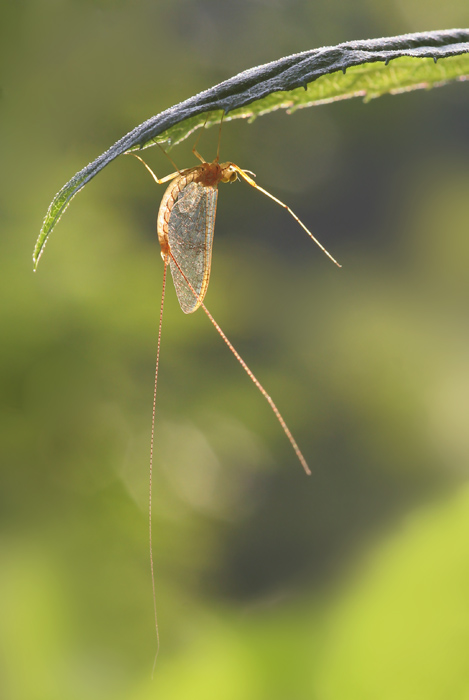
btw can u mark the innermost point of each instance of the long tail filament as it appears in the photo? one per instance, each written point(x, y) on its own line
point(251, 376)
point(152, 443)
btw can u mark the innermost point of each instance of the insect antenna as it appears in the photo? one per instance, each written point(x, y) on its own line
point(250, 374)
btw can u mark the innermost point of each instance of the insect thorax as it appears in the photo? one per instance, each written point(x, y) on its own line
point(213, 173)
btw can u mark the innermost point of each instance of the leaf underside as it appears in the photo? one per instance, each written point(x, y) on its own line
point(366, 69)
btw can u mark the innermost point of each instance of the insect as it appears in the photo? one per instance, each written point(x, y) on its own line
point(185, 227)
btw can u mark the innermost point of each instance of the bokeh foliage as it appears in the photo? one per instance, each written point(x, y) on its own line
point(270, 585)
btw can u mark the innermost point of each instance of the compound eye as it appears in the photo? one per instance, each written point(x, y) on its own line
point(229, 174)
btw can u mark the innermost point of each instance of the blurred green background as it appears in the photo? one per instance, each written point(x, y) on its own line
point(353, 583)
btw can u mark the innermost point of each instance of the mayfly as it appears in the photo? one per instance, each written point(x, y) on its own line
point(185, 227)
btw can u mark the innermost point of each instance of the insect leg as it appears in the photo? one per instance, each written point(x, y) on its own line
point(195, 151)
point(194, 148)
point(159, 181)
point(251, 182)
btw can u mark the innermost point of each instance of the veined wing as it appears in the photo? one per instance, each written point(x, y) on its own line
point(190, 236)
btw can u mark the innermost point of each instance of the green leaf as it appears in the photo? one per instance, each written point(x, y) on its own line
point(402, 631)
point(353, 69)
